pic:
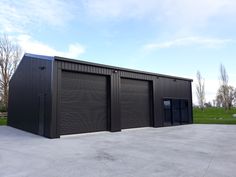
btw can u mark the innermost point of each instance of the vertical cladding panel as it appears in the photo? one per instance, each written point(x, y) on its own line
point(74, 67)
point(80, 68)
point(157, 121)
point(191, 104)
point(83, 68)
point(54, 133)
point(54, 103)
point(126, 74)
point(47, 92)
point(63, 65)
point(27, 83)
point(159, 96)
point(115, 106)
point(68, 65)
point(92, 69)
point(97, 70)
point(88, 70)
point(59, 90)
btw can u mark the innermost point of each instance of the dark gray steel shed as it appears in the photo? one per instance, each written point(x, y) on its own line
point(53, 96)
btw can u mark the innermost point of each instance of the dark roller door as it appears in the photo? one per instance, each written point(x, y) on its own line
point(83, 103)
point(135, 103)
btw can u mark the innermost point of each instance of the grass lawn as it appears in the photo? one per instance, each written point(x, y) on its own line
point(208, 116)
point(3, 121)
point(214, 116)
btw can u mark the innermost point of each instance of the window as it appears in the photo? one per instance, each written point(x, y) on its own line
point(175, 111)
point(167, 104)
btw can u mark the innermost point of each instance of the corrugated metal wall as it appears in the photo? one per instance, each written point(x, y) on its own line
point(34, 97)
point(162, 87)
point(30, 96)
point(174, 89)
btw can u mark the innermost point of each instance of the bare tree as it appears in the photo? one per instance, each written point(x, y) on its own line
point(214, 103)
point(234, 102)
point(10, 54)
point(200, 90)
point(224, 78)
point(225, 93)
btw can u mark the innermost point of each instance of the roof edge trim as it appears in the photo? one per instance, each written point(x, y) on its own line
point(39, 56)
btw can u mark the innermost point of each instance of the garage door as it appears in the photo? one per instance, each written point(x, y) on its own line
point(135, 103)
point(83, 103)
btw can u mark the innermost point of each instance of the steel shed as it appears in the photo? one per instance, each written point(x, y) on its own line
point(54, 96)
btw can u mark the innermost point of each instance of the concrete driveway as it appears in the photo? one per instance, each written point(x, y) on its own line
point(181, 151)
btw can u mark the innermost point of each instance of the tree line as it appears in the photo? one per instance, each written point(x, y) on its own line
point(225, 96)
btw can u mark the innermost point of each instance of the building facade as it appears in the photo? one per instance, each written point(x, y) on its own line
point(54, 96)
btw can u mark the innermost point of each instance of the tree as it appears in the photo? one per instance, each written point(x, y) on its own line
point(224, 94)
point(214, 103)
point(200, 90)
point(208, 105)
point(10, 54)
point(234, 102)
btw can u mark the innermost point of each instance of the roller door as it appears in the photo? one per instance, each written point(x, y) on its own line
point(135, 103)
point(84, 103)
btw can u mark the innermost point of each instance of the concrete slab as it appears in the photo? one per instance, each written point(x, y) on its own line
point(181, 151)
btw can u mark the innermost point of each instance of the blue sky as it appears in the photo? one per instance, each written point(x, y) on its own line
point(169, 37)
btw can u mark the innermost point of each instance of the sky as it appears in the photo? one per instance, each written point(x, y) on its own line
point(168, 37)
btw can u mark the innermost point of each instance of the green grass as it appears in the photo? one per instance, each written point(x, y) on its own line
point(208, 116)
point(3, 121)
point(214, 116)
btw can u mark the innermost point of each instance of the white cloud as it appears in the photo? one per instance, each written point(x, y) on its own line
point(18, 16)
point(30, 45)
point(183, 13)
point(186, 41)
point(121, 8)
point(75, 50)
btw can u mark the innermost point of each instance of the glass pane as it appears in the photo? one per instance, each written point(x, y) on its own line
point(184, 111)
point(176, 111)
point(167, 104)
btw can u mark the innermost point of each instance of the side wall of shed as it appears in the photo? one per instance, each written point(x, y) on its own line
point(30, 96)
